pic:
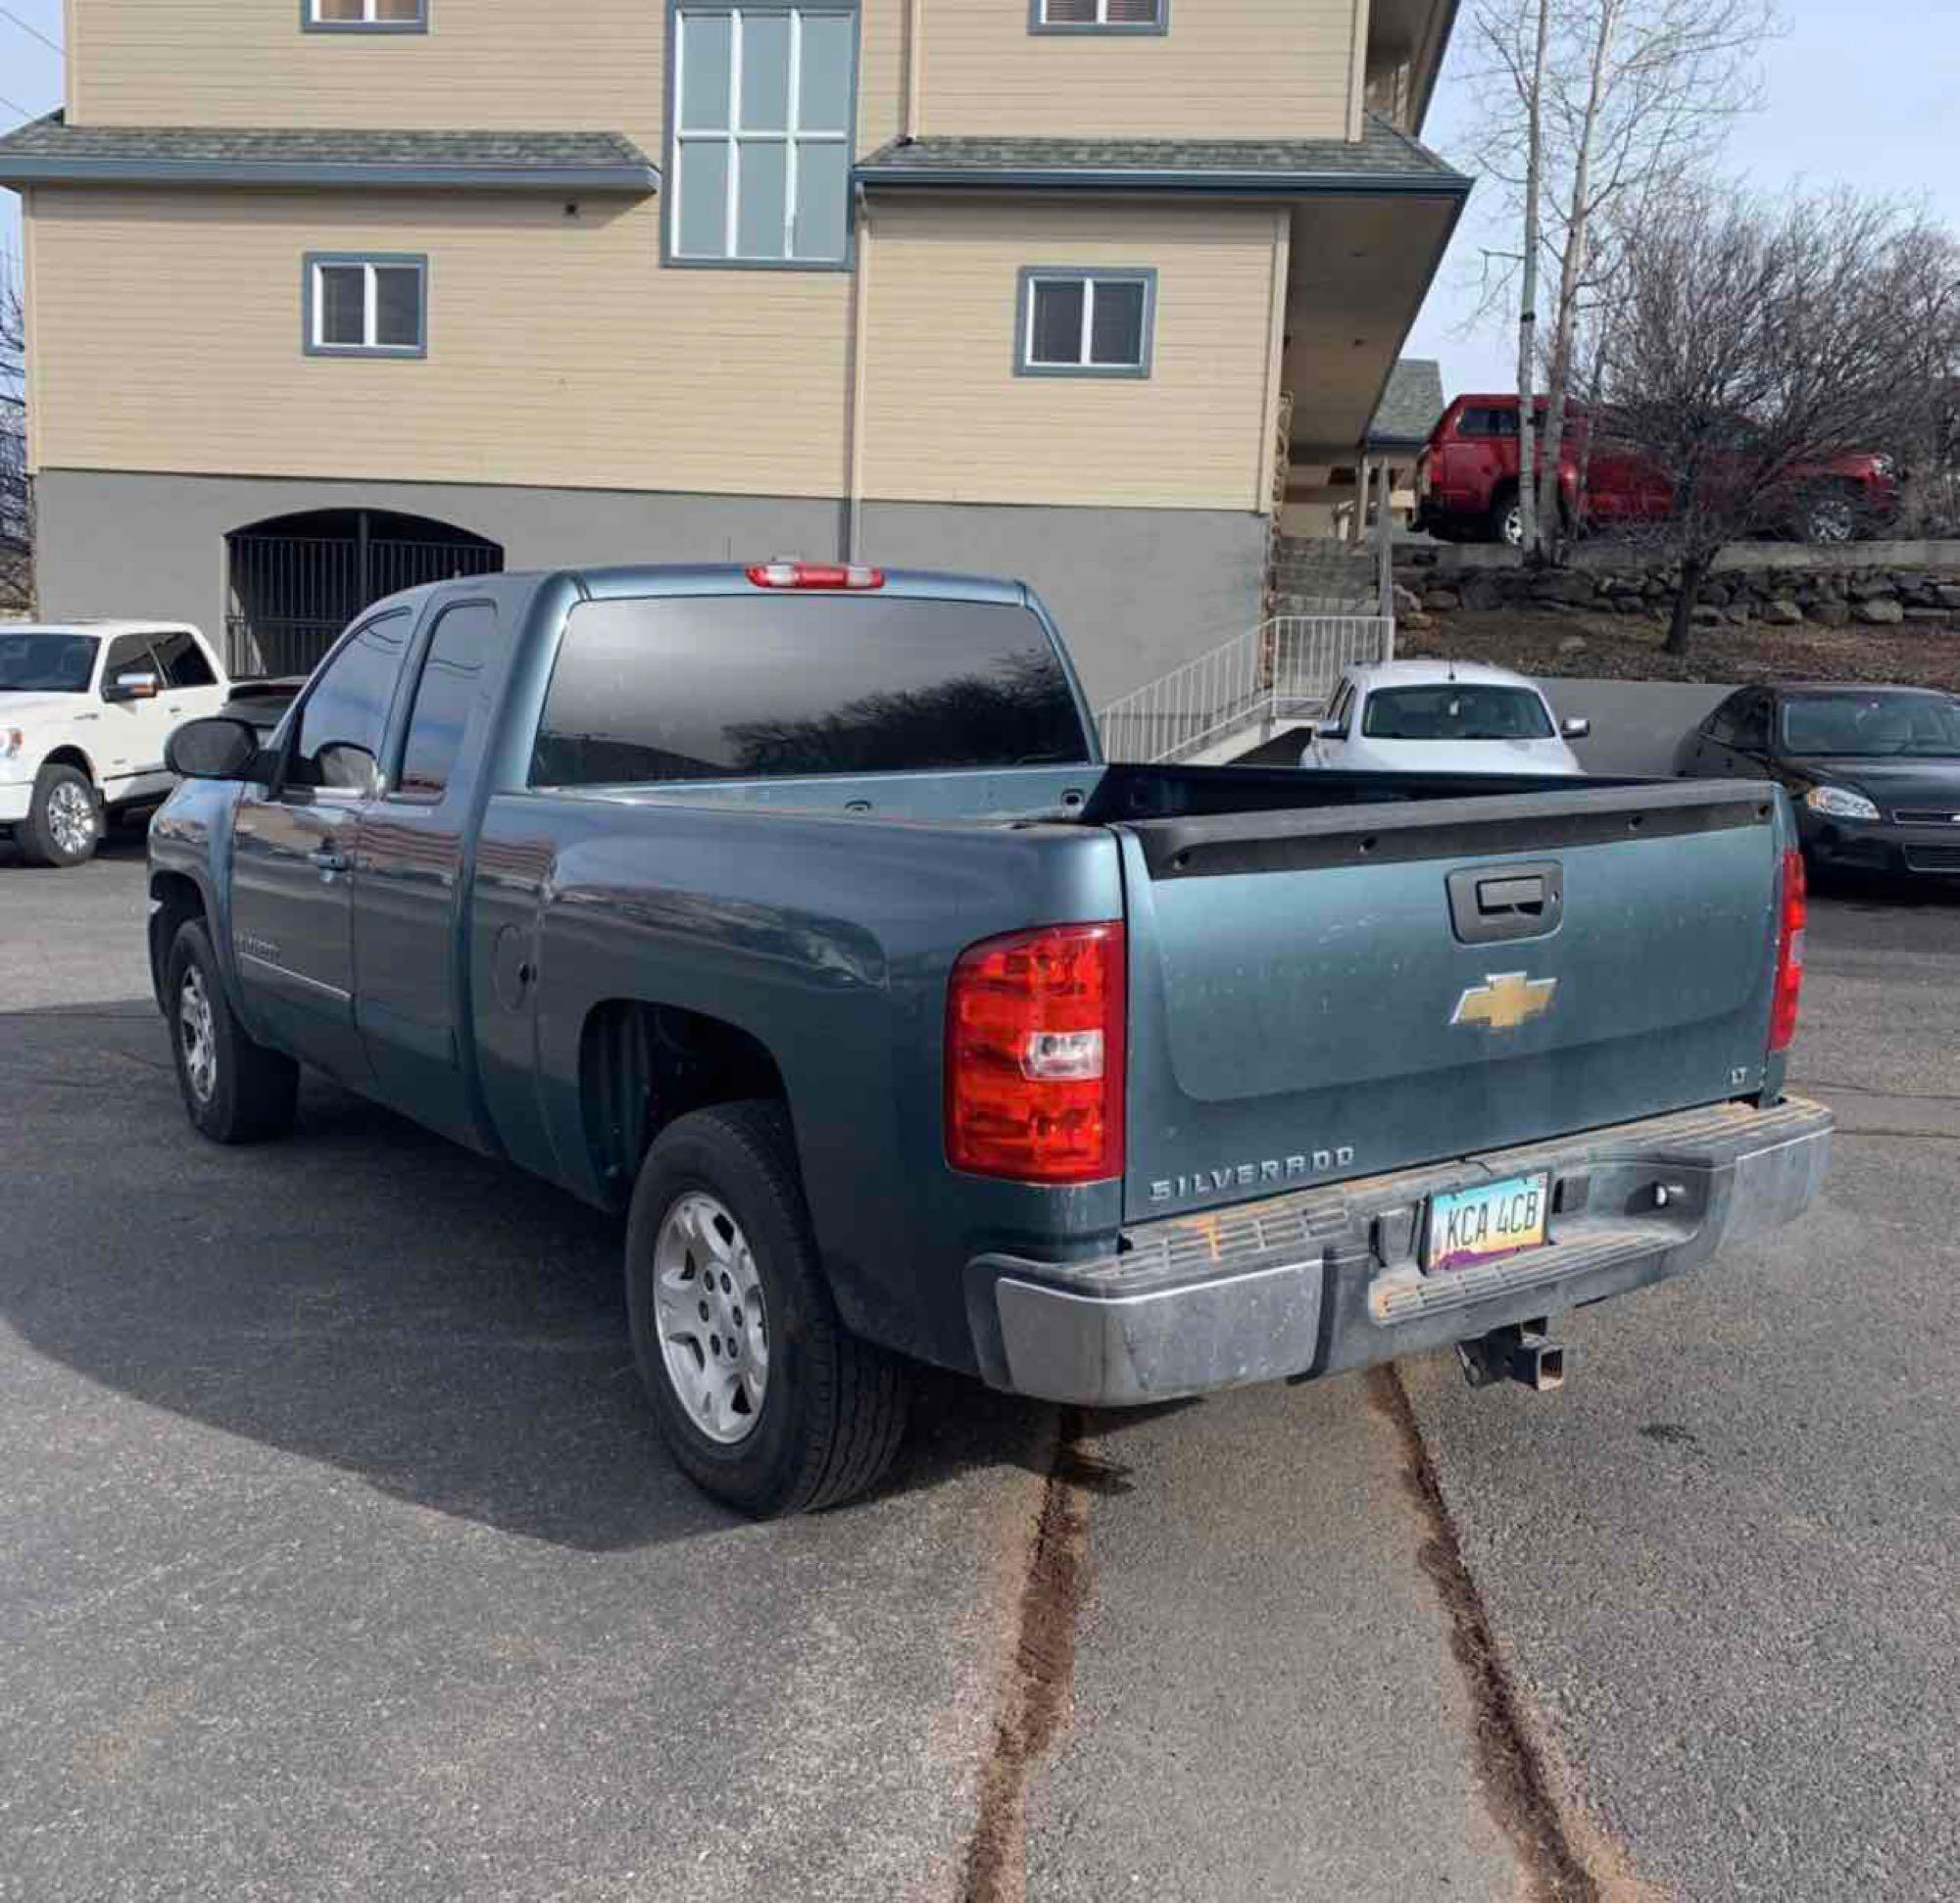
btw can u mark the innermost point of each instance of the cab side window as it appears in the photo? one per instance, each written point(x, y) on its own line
point(338, 745)
point(182, 660)
point(448, 692)
point(129, 655)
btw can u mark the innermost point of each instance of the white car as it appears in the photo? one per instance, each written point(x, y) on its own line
point(1440, 717)
point(85, 707)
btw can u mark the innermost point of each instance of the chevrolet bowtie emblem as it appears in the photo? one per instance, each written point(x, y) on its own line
point(1504, 1000)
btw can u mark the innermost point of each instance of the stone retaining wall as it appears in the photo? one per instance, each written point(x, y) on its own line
point(1829, 593)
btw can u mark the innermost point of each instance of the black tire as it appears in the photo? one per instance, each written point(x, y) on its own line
point(46, 836)
point(833, 1407)
point(249, 1094)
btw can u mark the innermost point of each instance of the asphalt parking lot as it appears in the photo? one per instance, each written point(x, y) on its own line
point(338, 1558)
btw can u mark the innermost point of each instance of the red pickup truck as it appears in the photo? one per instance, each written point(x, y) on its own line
point(1467, 482)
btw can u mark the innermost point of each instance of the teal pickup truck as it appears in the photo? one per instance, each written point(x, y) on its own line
point(790, 912)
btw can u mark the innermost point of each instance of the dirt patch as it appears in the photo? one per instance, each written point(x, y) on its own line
point(1043, 1675)
point(1625, 647)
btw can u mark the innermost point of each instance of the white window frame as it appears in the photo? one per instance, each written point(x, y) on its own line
point(368, 23)
point(370, 264)
point(1034, 276)
point(1039, 23)
point(733, 136)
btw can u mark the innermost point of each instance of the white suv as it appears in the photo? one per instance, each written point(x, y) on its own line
point(85, 707)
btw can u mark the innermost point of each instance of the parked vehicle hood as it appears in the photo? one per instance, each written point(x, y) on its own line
point(1472, 755)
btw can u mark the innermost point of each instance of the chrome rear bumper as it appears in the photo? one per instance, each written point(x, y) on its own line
point(1319, 1280)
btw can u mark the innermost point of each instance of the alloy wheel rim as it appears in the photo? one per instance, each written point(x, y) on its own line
point(713, 1327)
point(1514, 527)
point(71, 817)
point(197, 1034)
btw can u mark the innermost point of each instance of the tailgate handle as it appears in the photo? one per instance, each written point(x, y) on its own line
point(1491, 903)
point(1510, 896)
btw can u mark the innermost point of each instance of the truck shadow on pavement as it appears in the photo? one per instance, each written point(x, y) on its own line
point(367, 1294)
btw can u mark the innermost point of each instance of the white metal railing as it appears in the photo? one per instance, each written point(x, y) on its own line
point(1286, 665)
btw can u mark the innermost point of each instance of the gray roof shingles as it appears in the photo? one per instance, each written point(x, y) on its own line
point(1411, 403)
point(1383, 158)
point(50, 149)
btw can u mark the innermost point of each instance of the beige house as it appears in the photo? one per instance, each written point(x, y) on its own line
point(331, 296)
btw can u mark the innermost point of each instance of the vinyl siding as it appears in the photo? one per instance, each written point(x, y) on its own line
point(1248, 69)
point(561, 352)
point(491, 65)
point(945, 417)
point(1227, 68)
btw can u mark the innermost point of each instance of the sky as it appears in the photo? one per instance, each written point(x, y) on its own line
point(1861, 95)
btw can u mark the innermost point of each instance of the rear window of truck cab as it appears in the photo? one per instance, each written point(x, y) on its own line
point(738, 687)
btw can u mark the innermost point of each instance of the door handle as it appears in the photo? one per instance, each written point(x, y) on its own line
point(1510, 896)
point(330, 858)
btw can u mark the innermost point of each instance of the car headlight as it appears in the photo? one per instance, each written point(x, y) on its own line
point(10, 743)
point(1841, 803)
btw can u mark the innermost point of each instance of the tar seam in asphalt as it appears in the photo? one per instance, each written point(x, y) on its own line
point(1508, 1762)
point(1043, 1675)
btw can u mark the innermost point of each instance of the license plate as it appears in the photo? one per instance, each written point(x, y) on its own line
point(1494, 1219)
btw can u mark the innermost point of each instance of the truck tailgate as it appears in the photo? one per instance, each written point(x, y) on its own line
point(1345, 991)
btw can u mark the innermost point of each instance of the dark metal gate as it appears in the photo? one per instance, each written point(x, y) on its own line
point(295, 583)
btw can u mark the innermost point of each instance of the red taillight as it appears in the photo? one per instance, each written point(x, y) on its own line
point(1034, 1056)
point(1795, 911)
point(815, 574)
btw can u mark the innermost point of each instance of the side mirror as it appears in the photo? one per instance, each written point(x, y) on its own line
point(1578, 727)
point(132, 684)
point(218, 749)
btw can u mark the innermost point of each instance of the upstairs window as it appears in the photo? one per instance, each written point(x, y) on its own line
point(367, 305)
point(1085, 323)
point(763, 108)
point(1099, 17)
point(366, 16)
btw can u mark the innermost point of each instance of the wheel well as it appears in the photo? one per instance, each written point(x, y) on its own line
point(71, 756)
point(642, 1065)
point(173, 899)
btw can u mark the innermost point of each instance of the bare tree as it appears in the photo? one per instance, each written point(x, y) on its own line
point(1928, 444)
point(1748, 348)
point(16, 511)
point(1590, 107)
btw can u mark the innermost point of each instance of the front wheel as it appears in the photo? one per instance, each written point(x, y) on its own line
point(235, 1090)
point(63, 823)
point(763, 1398)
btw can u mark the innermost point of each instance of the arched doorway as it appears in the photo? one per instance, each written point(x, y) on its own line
point(295, 581)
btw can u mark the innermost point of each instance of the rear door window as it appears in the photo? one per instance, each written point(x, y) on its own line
point(449, 689)
point(784, 686)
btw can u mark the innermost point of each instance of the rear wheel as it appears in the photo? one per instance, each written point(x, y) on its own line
point(63, 823)
point(234, 1091)
point(762, 1395)
point(1508, 520)
point(1829, 518)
